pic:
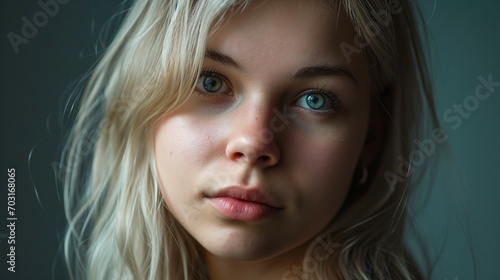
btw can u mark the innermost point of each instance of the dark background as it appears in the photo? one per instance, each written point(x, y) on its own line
point(34, 84)
point(459, 223)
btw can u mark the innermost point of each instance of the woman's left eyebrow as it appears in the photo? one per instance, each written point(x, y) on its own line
point(324, 70)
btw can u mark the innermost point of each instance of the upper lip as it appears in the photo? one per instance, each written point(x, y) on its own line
point(252, 194)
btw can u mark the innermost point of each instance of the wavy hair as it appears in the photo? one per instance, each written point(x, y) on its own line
point(118, 225)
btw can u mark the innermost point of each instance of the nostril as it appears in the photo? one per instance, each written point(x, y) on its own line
point(238, 155)
point(264, 158)
point(244, 151)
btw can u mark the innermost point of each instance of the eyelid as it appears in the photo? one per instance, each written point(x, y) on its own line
point(210, 70)
point(213, 74)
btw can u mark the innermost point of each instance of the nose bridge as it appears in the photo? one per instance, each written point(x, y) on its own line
point(254, 124)
point(252, 139)
point(256, 116)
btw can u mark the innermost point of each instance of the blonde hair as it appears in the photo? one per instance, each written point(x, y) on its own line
point(118, 226)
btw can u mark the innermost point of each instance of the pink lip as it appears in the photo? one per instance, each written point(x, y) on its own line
point(243, 204)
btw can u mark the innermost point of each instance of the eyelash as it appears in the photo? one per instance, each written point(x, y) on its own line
point(332, 97)
point(213, 71)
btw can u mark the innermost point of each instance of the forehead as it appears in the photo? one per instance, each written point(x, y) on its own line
point(288, 33)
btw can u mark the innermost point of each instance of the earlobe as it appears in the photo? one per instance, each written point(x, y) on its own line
point(364, 176)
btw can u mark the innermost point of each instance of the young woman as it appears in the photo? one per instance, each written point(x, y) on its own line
point(248, 140)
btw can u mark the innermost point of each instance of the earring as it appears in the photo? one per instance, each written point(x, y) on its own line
point(364, 176)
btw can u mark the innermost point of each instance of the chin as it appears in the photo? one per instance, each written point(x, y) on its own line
point(245, 251)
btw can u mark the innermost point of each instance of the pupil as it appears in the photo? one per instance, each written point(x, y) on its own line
point(212, 84)
point(315, 101)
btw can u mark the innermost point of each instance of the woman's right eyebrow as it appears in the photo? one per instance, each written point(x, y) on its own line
point(222, 58)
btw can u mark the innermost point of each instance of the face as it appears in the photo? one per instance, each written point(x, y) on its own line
point(261, 157)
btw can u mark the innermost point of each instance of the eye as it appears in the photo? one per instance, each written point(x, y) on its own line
point(319, 100)
point(210, 83)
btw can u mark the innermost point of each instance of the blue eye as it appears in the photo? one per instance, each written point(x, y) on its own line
point(212, 83)
point(315, 101)
point(318, 101)
point(209, 83)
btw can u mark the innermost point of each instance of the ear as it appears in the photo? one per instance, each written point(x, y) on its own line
point(377, 130)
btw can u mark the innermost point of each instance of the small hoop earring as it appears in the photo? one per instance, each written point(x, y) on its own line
point(364, 176)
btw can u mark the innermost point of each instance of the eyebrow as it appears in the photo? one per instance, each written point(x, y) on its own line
point(222, 58)
point(324, 70)
point(306, 72)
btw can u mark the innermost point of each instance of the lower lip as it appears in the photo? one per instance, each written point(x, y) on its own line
point(242, 210)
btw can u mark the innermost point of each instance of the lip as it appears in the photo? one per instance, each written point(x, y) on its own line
point(243, 204)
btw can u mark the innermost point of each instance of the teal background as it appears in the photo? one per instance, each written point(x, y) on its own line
point(33, 85)
point(459, 220)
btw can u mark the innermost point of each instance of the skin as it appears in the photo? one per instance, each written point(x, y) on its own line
point(257, 130)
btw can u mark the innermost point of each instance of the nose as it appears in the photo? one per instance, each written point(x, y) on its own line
point(252, 140)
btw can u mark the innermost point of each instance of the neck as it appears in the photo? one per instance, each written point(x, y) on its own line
point(278, 267)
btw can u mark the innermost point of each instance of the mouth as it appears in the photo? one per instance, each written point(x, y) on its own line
point(243, 204)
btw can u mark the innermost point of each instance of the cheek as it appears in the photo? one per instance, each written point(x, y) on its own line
point(170, 151)
point(335, 160)
point(183, 148)
point(324, 168)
